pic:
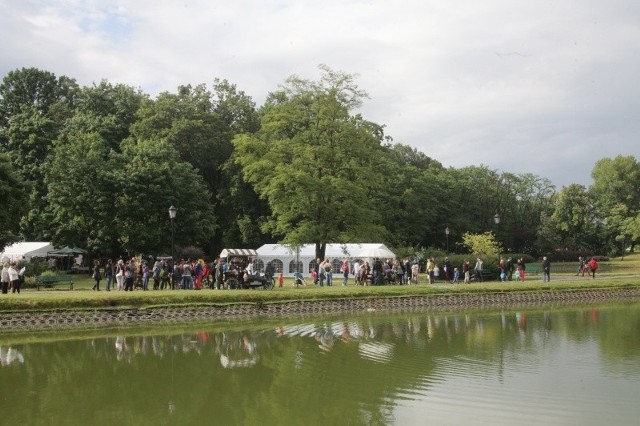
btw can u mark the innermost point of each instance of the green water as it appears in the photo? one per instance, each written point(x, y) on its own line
point(535, 366)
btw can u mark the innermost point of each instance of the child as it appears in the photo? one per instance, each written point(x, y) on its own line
point(456, 275)
point(517, 274)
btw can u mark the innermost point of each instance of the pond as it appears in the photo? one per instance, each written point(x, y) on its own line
point(556, 366)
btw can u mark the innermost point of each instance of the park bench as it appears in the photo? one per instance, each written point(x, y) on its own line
point(532, 269)
point(54, 280)
point(487, 275)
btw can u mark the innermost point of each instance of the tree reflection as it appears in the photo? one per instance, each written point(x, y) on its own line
point(338, 371)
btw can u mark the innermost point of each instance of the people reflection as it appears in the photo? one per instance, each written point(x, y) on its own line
point(10, 355)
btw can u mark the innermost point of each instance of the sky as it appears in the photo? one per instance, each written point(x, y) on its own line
point(545, 87)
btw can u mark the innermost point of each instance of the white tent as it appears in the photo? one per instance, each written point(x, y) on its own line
point(26, 250)
point(284, 257)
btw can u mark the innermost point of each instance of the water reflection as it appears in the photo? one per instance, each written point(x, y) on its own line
point(9, 355)
point(561, 366)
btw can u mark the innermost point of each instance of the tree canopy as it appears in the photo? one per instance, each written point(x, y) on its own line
point(98, 167)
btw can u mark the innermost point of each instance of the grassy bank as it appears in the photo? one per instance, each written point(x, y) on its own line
point(47, 300)
point(616, 273)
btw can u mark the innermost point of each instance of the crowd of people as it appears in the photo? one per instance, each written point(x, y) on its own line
point(380, 272)
point(138, 273)
point(161, 273)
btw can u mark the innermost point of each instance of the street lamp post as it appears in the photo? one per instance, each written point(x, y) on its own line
point(172, 216)
point(446, 231)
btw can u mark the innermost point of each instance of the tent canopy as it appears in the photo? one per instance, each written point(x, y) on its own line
point(26, 250)
point(352, 250)
point(238, 252)
point(66, 252)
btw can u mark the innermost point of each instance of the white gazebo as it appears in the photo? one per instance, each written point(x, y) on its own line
point(289, 259)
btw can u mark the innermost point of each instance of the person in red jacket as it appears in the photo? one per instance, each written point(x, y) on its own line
point(593, 266)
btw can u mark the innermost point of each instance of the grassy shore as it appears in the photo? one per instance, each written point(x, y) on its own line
point(619, 273)
point(84, 298)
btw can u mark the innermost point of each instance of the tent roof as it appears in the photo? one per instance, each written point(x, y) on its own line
point(27, 249)
point(66, 251)
point(238, 252)
point(309, 250)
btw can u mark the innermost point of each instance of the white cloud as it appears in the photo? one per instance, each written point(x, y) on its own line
point(546, 88)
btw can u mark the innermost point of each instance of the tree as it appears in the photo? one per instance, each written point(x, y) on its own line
point(315, 163)
point(107, 201)
point(81, 193)
point(200, 125)
point(152, 178)
point(481, 244)
point(615, 191)
point(574, 219)
point(34, 108)
point(14, 195)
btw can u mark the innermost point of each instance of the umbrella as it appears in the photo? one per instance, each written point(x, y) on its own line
point(379, 252)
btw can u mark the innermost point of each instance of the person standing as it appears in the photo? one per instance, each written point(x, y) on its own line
point(120, 274)
point(503, 269)
point(14, 279)
point(5, 278)
point(185, 267)
point(546, 270)
point(478, 269)
point(430, 265)
point(448, 270)
point(328, 272)
point(219, 273)
point(522, 267)
point(510, 268)
point(155, 273)
point(580, 266)
point(108, 274)
point(357, 266)
point(344, 268)
point(466, 269)
point(145, 275)
point(593, 266)
point(129, 275)
point(164, 276)
point(97, 276)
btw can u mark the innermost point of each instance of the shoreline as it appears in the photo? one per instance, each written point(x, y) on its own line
point(124, 317)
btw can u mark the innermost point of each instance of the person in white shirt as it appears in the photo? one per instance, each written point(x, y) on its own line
point(249, 268)
point(5, 278)
point(14, 279)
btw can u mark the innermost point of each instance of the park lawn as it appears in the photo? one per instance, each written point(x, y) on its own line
point(616, 273)
point(83, 298)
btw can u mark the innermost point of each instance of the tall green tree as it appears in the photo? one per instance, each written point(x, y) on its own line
point(410, 197)
point(81, 193)
point(34, 108)
point(200, 124)
point(152, 178)
point(14, 195)
point(574, 219)
point(316, 163)
point(616, 183)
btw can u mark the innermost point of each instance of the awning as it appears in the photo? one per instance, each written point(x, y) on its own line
point(66, 252)
point(238, 252)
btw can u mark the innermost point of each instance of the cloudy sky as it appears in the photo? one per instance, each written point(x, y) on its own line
point(545, 87)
